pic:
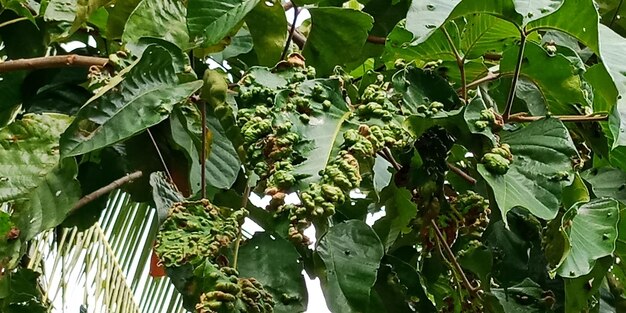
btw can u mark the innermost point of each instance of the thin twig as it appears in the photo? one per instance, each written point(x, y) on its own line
point(19, 19)
point(298, 38)
point(156, 147)
point(523, 117)
point(203, 150)
point(453, 260)
point(106, 189)
point(296, 11)
point(376, 40)
point(489, 77)
point(51, 62)
point(518, 68)
point(244, 204)
point(460, 61)
point(462, 174)
point(387, 155)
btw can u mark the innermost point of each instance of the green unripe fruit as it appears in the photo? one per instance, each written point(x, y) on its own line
point(495, 163)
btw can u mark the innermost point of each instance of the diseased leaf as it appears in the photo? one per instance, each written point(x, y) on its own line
point(149, 90)
point(350, 253)
point(541, 167)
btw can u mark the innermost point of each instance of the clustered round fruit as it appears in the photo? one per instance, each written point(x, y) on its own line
point(195, 231)
point(319, 200)
point(226, 292)
point(433, 146)
point(498, 160)
point(474, 210)
point(193, 235)
point(374, 102)
point(487, 118)
point(430, 110)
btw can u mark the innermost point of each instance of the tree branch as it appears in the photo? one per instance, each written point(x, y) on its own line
point(376, 39)
point(489, 77)
point(460, 172)
point(9, 22)
point(106, 189)
point(55, 61)
point(442, 241)
point(518, 68)
point(523, 117)
point(460, 61)
point(296, 11)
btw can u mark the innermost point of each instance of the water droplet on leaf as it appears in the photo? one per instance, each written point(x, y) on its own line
point(430, 7)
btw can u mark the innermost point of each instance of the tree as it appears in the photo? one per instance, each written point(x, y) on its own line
point(490, 133)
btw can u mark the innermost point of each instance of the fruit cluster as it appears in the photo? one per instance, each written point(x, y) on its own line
point(196, 231)
point(226, 292)
point(498, 160)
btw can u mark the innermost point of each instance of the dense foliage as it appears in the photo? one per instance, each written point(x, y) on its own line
point(489, 134)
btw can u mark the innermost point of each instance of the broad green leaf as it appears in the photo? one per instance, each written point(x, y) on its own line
point(425, 16)
point(240, 44)
point(61, 10)
point(29, 151)
point(480, 33)
point(210, 21)
point(350, 253)
point(399, 211)
point(420, 87)
point(150, 90)
point(324, 131)
point(331, 43)
point(486, 33)
point(118, 15)
point(592, 235)
point(164, 194)
point(479, 260)
point(612, 14)
point(578, 291)
point(554, 76)
point(541, 167)
point(536, 9)
point(275, 263)
point(611, 47)
point(400, 288)
point(163, 19)
point(584, 26)
point(267, 24)
point(85, 9)
point(47, 205)
point(222, 165)
point(23, 292)
point(41, 191)
point(400, 45)
point(511, 298)
point(576, 192)
point(607, 182)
